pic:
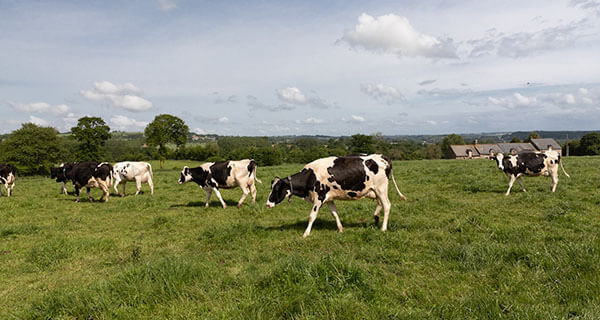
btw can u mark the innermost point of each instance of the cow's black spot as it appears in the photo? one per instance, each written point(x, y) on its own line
point(220, 171)
point(335, 187)
point(372, 165)
point(388, 168)
point(352, 194)
point(348, 172)
point(322, 190)
point(251, 167)
point(315, 208)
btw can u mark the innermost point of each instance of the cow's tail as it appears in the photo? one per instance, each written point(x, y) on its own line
point(397, 189)
point(150, 170)
point(252, 168)
point(563, 169)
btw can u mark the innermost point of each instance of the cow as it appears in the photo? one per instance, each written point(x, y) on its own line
point(529, 163)
point(140, 172)
point(7, 177)
point(338, 178)
point(91, 174)
point(62, 174)
point(213, 176)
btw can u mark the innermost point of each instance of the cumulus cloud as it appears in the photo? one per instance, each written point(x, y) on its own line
point(166, 5)
point(121, 122)
point(564, 98)
point(295, 96)
point(40, 107)
point(223, 120)
point(199, 131)
point(256, 104)
point(382, 93)
point(523, 44)
point(311, 120)
point(125, 96)
point(355, 118)
point(394, 34)
point(586, 4)
point(437, 92)
point(38, 121)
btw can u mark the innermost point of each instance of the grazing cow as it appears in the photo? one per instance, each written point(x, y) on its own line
point(141, 172)
point(62, 174)
point(529, 163)
point(213, 176)
point(91, 174)
point(343, 178)
point(7, 177)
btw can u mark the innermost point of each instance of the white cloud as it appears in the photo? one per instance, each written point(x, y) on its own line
point(166, 5)
point(40, 107)
point(432, 122)
point(121, 122)
point(223, 120)
point(564, 98)
point(522, 100)
point(199, 131)
point(125, 96)
point(394, 34)
point(311, 120)
point(382, 93)
point(292, 95)
point(38, 121)
point(356, 118)
point(256, 104)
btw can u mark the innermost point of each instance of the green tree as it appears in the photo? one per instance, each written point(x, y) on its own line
point(164, 129)
point(589, 144)
point(432, 151)
point(33, 149)
point(515, 140)
point(450, 140)
point(532, 135)
point(360, 143)
point(92, 133)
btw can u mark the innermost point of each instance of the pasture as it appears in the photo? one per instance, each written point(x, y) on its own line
point(457, 249)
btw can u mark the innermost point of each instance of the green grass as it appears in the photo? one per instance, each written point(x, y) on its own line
point(458, 249)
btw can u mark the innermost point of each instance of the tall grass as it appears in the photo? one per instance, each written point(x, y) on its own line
point(458, 249)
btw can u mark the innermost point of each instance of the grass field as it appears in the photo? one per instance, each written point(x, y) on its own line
point(458, 249)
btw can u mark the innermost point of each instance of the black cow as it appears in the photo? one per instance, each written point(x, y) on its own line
point(529, 163)
point(7, 177)
point(91, 174)
point(213, 176)
point(62, 174)
point(344, 178)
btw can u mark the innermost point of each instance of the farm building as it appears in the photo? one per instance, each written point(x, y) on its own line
point(472, 151)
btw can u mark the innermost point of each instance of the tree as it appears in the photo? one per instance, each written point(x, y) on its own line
point(515, 140)
point(532, 135)
point(590, 144)
point(164, 129)
point(360, 143)
point(33, 149)
point(450, 140)
point(92, 133)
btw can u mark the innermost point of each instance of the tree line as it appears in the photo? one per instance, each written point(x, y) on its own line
point(34, 149)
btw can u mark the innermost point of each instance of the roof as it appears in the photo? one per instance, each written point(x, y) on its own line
point(462, 150)
point(542, 144)
point(517, 147)
point(484, 149)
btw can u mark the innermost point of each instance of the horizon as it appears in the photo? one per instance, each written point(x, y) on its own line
point(294, 69)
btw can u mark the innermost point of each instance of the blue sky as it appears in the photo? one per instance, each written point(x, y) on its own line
point(279, 68)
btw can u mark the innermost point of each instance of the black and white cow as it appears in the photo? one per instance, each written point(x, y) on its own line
point(140, 172)
point(213, 176)
point(529, 163)
point(7, 178)
point(344, 178)
point(62, 174)
point(91, 174)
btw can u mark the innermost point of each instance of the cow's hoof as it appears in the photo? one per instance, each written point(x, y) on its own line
point(376, 218)
point(304, 235)
point(77, 200)
point(239, 206)
point(404, 198)
point(340, 230)
point(122, 195)
point(224, 206)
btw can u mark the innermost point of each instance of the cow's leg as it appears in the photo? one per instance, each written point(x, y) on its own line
point(333, 210)
point(510, 183)
point(77, 192)
point(116, 185)
point(245, 191)
point(218, 194)
point(521, 183)
point(253, 192)
point(7, 186)
point(12, 187)
point(138, 184)
point(151, 185)
point(387, 205)
point(554, 180)
point(208, 194)
point(377, 210)
point(89, 195)
point(312, 218)
point(123, 193)
point(63, 188)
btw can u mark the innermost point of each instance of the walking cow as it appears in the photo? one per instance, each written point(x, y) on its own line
point(7, 178)
point(91, 174)
point(213, 176)
point(344, 178)
point(141, 172)
point(62, 174)
point(530, 163)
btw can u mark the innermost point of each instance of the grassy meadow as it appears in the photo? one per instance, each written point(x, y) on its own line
point(457, 249)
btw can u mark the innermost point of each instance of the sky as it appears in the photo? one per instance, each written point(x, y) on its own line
point(305, 67)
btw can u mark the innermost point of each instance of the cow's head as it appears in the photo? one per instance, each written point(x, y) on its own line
point(186, 176)
point(280, 189)
point(59, 173)
point(499, 158)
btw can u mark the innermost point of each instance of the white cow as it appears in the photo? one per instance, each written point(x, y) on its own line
point(125, 171)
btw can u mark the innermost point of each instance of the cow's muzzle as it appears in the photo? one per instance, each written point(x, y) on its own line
point(270, 205)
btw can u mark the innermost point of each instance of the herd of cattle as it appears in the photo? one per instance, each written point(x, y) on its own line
point(320, 182)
